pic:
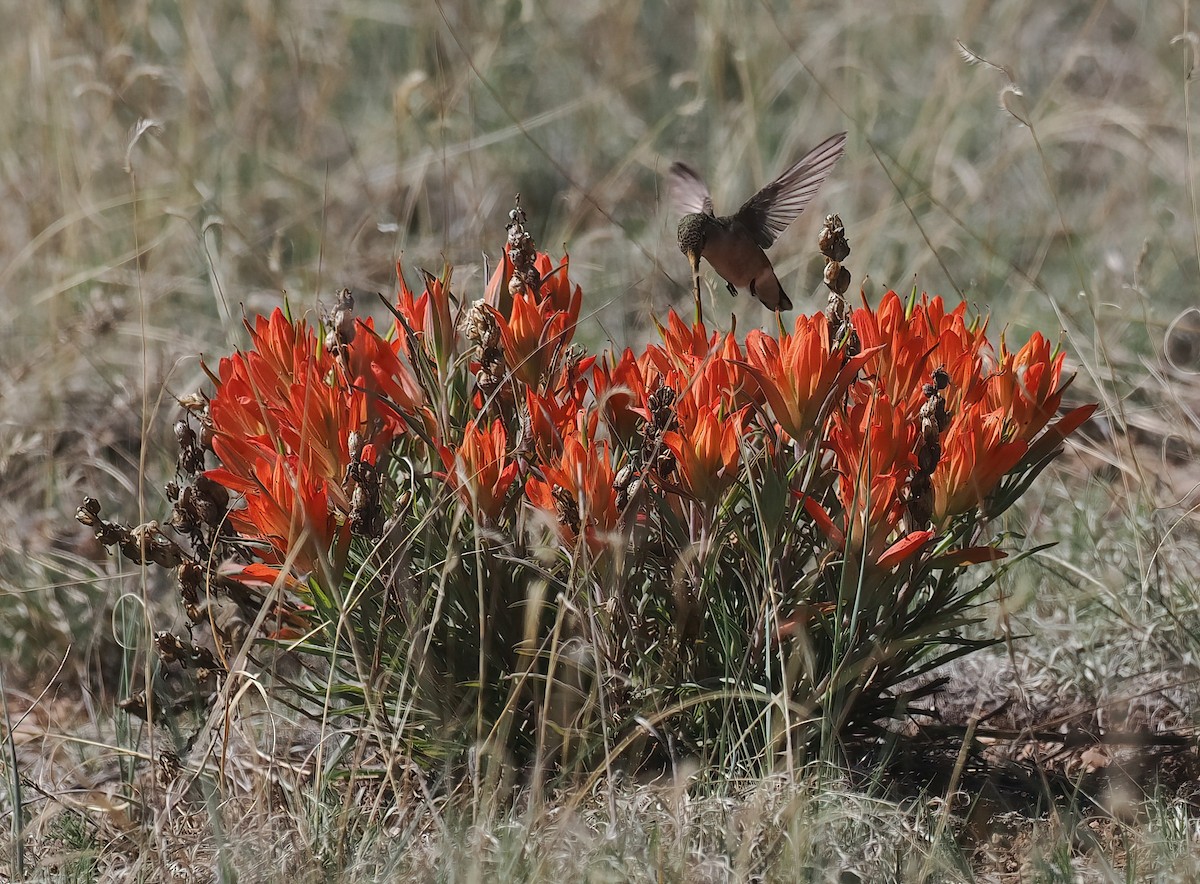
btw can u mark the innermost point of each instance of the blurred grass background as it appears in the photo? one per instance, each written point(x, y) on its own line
point(166, 166)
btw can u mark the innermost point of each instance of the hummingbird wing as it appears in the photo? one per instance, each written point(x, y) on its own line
point(768, 213)
point(689, 193)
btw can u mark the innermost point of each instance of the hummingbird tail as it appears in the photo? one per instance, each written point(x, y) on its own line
point(767, 289)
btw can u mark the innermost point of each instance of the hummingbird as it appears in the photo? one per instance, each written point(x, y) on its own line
point(734, 244)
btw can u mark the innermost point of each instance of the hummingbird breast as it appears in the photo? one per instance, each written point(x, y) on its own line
point(734, 254)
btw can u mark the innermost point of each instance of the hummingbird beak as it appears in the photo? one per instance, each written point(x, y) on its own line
point(694, 259)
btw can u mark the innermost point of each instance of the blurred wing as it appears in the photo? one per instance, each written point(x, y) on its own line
point(768, 213)
point(689, 193)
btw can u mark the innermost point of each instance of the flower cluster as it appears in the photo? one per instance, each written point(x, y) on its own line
point(679, 512)
point(292, 419)
point(689, 417)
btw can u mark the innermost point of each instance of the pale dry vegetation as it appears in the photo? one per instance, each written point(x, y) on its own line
point(167, 168)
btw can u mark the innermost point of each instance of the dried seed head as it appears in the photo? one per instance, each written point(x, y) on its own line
point(196, 403)
point(837, 277)
point(479, 326)
point(190, 459)
point(191, 586)
point(934, 418)
point(153, 546)
point(523, 253)
point(340, 322)
point(89, 511)
point(832, 239)
point(941, 377)
point(366, 514)
point(572, 357)
point(173, 649)
point(661, 404)
point(627, 483)
point(920, 501)
point(834, 246)
point(566, 509)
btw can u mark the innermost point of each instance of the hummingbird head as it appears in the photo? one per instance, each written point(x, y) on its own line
point(693, 230)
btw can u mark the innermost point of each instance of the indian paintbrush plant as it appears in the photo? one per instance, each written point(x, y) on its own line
point(479, 541)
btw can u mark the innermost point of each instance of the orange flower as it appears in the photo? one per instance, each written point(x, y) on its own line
point(283, 413)
point(1026, 386)
point(552, 419)
point(267, 400)
point(533, 338)
point(620, 389)
point(536, 326)
point(555, 286)
point(479, 469)
point(975, 457)
point(915, 342)
point(801, 373)
point(706, 369)
point(394, 401)
point(428, 316)
point(284, 509)
point(707, 453)
point(686, 345)
point(872, 446)
point(556, 289)
point(578, 493)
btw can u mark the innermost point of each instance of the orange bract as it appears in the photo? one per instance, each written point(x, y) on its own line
point(577, 490)
point(975, 457)
point(621, 389)
point(706, 452)
point(913, 344)
point(285, 509)
point(480, 470)
point(872, 446)
point(1026, 386)
point(282, 416)
point(428, 316)
point(801, 373)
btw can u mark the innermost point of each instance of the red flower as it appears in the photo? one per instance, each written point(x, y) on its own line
point(554, 287)
point(479, 469)
point(975, 457)
point(428, 316)
point(552, 420)
point(533, 339)
point(281, 396)
point(707, 453)
point(285, 509)
point(872, 446)
point(703, 369)
point(914, 343)
point(801, 373)
point(536, 326)
point(1026, 386)
point(283, 413)
point(577, 491)
point(686, 345)
point(393, 400)
point(621, 389)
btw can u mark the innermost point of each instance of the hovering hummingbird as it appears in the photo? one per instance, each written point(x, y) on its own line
point(734, 244)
